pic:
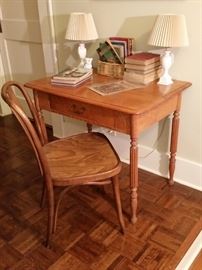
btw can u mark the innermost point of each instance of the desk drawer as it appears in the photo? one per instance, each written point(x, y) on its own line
point(91, 113)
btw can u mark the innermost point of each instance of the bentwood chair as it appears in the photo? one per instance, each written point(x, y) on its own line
point(83, 159)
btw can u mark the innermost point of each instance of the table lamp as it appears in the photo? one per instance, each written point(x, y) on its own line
point(81, 28)
point(169, 31)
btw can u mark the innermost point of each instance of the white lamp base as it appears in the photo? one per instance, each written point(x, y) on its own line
point(166, 61)
point(82, 54)
point(165, 80)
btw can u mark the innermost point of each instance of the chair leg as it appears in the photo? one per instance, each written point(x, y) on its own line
point(43, 195)
point(56, 216)
point(57, 208)
point(116, 189)
point(50, 216)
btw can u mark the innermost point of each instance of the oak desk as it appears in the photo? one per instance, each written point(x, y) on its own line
point(130, 112)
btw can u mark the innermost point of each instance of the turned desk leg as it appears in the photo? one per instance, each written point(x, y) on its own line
point(133, 178)
point(173, 145)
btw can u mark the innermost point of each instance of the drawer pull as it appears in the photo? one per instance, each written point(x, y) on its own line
point(77, 109)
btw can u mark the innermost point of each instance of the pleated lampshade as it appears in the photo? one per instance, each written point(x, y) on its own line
point(81, 27)
point(169, 31)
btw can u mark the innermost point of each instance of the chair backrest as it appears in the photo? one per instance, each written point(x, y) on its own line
point(33, 131)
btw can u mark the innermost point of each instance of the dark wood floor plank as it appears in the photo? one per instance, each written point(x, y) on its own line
point(8, 257)
point(68, 261)
point(88, 236)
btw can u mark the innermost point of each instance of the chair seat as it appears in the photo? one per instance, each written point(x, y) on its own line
point(93, 154)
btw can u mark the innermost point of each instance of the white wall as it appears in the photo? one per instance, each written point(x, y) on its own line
point(136, 18)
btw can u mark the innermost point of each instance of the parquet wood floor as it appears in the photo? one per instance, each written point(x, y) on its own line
point(169, 219)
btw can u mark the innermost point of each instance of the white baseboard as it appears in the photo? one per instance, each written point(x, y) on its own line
point(187, 172)
point(191, 254)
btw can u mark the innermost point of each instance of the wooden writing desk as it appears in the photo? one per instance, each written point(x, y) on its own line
point(130, 112)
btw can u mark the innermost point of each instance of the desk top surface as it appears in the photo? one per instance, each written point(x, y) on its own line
point(136, 101)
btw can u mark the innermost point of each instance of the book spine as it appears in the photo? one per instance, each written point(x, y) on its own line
point(129, 41)
point(130, 45)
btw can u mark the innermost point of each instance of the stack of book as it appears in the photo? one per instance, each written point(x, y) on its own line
point(142, 67)
point(72, 77)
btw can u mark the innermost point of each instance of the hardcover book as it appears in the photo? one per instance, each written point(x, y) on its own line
point(127, 41)
point(140, 69)
point(121, 49)
point(141, 78)
point(142, 58)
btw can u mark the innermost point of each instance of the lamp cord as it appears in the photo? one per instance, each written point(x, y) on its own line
point(156, 141)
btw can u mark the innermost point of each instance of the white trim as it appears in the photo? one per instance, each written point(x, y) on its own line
point(4, 108)
point(45, 10)
point(5, 55)
point(187, 172)
point(191, 254)
point(48, 36)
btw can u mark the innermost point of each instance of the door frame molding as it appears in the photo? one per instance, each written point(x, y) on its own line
point(4, 71)
point(45, 10)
